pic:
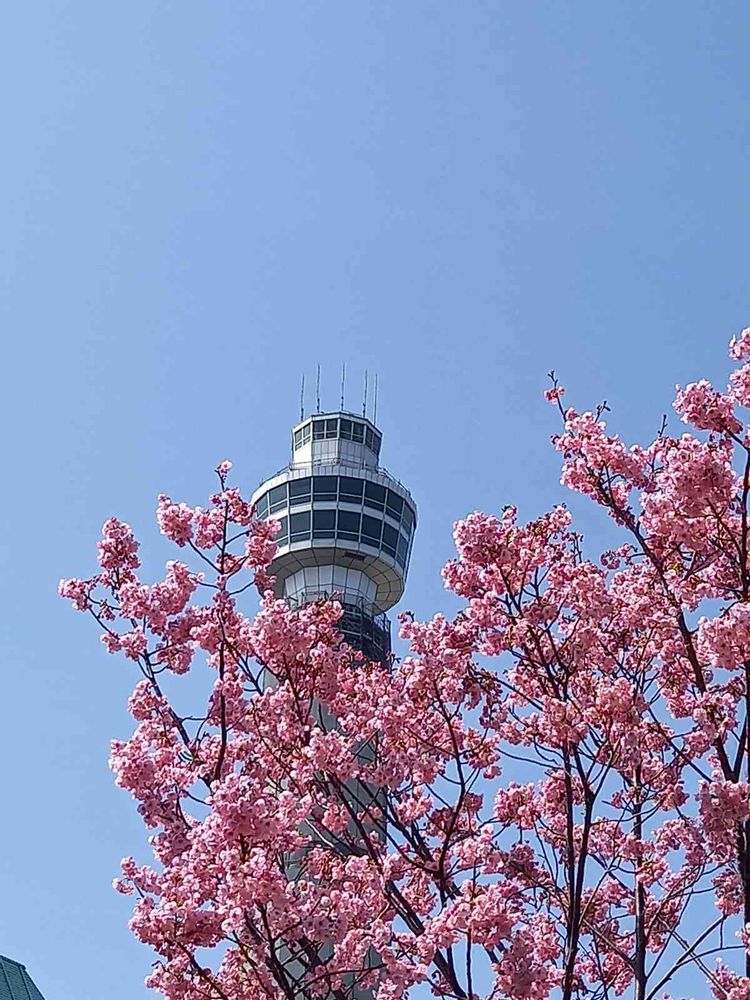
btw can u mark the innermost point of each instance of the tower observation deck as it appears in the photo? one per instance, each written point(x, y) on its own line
point(347, 526)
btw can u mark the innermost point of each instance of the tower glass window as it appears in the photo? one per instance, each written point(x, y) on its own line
point(299, 526)
point(394, 505)
point(371, 527)
point(346, 429)
point(350, 489)
point(401, 550)
point(390, 539)
point(326, 430)
point(324, 523)
point(283, 536)
point(348, 525)
point(302, 436)
point(374, 495)
point(299, 492)
point(277, 498)
point(407, 519)
point(325, 487)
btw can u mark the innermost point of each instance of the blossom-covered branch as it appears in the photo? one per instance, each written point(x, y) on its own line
point(549, 796)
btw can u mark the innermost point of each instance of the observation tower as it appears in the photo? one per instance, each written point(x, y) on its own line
point(347, 526)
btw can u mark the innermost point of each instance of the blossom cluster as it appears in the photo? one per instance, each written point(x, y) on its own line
point(547, 797)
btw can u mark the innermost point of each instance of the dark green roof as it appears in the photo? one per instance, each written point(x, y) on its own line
point(15, 983)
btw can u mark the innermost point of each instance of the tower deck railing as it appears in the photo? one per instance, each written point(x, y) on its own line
point(361, 624)
point(380, 470)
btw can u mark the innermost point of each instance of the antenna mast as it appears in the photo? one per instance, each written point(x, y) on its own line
point(343, 383)
point(364, 399)
point(317, 390)
point(375, 408)
point(302, 399)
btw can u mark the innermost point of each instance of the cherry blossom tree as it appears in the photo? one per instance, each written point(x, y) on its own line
point(549, 796)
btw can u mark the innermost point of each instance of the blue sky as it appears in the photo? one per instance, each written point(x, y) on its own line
point(202, 200)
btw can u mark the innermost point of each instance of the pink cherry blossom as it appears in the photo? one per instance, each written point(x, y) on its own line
point(701, 405)
point(739, 347)
point(547, 796)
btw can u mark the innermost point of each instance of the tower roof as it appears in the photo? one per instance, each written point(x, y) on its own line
point(15, 982)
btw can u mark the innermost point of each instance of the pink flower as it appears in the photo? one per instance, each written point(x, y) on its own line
point(555, 394)
point(175, 520)
point(739, 347)
point(551, 778)
point(209, 527)
point(76, 591)
point(118, 549)
point(701, 405)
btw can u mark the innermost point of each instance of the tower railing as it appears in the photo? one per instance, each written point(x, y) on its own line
point(362, 625)
point(297, 466)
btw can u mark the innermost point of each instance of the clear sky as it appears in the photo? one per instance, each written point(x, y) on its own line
point(202, 200)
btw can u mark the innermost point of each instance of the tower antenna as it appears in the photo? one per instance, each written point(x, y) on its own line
point(317, 390)
point(343, 383)
point(364, 399)
point(375, 407)
point(302, 399)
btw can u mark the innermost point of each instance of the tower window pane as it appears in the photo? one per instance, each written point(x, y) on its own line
point(407, 519)
point(299, 492)
point(297, 439)
point(283, 536)
point(371, 529)
point(261, 507)
point(394, 505)
point(346, 429)
point(358, 432)
point(374, 495)
point(306, 433)
point(350, 489)
point(376, 443)
point(401, 550)
point(325, 487)
point(319, 430)
point(390, 539)
point(324, 523)
point(300, 526)
point(348, 525)
point(368, 438)
point(332, 427)
point(277, 498)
